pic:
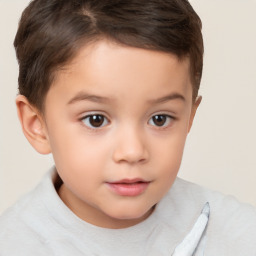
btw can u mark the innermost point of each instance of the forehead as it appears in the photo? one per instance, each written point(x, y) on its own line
point(103, 51)
point(110, 69)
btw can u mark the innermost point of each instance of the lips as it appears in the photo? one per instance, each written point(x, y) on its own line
point(128, 187)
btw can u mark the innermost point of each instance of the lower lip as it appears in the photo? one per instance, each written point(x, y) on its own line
point(126, 189)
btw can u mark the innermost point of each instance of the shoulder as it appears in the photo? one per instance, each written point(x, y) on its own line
point(231, 223)
point(17, 233)
point(20, 229)
point(224, 208)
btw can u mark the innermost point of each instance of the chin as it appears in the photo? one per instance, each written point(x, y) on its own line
point(136, 215)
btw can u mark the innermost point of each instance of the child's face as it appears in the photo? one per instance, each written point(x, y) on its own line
point(116, 121)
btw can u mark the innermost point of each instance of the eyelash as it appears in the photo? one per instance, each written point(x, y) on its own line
point(103, 121)
point(93, 117)
point(166, 119)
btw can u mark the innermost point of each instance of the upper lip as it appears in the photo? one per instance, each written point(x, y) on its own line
point(129, 181)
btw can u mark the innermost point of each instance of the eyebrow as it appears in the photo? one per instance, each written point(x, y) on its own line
point(80, 96)
point(90, 97)
point(172, 96)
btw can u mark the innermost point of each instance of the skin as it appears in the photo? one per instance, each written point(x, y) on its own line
point(127, 88)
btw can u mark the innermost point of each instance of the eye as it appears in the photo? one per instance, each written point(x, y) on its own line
point(160, 120)
point(95, 121)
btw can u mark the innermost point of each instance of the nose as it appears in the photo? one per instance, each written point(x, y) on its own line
point(130, 147)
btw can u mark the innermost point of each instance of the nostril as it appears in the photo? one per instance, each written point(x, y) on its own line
point(130, 147)
point(135, 156)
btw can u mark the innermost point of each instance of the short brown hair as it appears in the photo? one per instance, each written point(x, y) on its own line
point(51, 32)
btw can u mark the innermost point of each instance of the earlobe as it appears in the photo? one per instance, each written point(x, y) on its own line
point(33, 125)
point(193, 111)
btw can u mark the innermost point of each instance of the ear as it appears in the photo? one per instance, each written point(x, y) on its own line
point(33, 125)
point(193, 111)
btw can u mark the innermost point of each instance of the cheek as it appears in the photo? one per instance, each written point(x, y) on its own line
point(170, 147)
point(77, 162)
point(168, 154)
point(76, 152)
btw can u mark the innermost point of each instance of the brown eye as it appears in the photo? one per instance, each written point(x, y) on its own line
point(95, 121)
point(160, 120)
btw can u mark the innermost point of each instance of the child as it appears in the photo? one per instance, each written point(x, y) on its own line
point(110, 88)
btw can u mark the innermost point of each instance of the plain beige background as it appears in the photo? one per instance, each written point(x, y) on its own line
point(220, 152)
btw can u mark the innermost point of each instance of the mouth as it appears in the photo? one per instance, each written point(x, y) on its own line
point(128, 187)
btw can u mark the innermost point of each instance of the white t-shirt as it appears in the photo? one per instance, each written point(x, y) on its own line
point(41, 224)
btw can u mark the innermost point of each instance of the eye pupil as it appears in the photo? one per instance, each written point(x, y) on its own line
point(159, 120)
point(96, 120)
